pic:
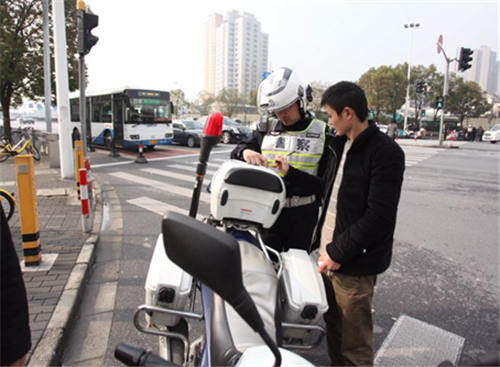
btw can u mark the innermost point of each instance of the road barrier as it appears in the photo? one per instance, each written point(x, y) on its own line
point(28, 210)
point(140, 157)
point(84, 198)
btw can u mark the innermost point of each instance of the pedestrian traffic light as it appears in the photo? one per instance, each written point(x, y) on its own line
point(464, 59)
point(439, 102)
point(86, 40)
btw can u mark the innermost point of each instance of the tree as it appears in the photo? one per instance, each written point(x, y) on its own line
point(432, 79)
point(318, 88)
point(465, 98)
point(203, 102)
point(21, 52)
point(229, 101)
point(385, 89)
point(252, 99)
point(178, 99)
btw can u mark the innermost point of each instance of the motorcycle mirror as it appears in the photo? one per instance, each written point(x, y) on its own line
point(212, 257)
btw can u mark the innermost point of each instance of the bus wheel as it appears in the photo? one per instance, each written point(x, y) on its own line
point(150, 148)
point(108, 139)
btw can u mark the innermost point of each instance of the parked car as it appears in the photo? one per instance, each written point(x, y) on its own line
point(187, 132)
point(493, 134)
point(232, 131)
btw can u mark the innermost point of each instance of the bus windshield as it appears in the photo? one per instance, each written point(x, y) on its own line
point(148, 110)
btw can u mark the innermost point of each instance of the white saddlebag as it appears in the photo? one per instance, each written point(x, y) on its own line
point(167, 286)
point(305, 297)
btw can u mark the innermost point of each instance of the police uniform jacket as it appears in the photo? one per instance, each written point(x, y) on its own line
point(297, 182)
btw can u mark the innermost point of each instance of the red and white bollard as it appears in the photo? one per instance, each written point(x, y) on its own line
point(84, 198)
point(140, 157)
point(90, 180)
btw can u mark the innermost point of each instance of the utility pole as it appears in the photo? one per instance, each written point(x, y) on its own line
point(62, 88)
point(411, 26)
point(46, 66)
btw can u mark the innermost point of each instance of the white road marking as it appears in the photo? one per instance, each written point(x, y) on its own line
point(190, 169)
point(164, 173)
point(171, 189)
point(155, 206)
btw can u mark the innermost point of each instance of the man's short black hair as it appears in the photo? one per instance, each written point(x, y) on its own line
point(346, 94)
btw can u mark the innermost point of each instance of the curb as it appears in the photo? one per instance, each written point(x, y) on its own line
point(48, 350)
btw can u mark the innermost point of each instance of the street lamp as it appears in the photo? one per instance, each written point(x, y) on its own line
point(411, 26)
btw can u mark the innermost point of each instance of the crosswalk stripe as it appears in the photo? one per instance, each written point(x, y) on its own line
point(189, 168)
point(218, 160)
point(7, 183)
point(177, 176)
point(155, 206)
point(208, 164)
point(171, 189)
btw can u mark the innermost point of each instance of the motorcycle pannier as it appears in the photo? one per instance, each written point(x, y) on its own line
point(167, 286)
point(304, 291)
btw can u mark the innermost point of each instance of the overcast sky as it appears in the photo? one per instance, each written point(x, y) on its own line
point(159, 44)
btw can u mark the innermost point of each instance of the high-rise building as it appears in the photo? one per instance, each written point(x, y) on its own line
point(236, 53)
point(211, 25)
point(484, 70)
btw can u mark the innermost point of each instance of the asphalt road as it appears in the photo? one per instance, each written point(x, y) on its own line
point(444, 268)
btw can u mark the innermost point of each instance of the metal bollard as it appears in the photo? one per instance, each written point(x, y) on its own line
point(28, 210)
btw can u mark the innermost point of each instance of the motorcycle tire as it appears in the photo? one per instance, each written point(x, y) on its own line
point(172, 349)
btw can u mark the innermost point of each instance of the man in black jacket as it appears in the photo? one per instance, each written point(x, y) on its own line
point(363, 206)
point(298, 146)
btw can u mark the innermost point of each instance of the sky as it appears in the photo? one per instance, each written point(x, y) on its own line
point(159, 44)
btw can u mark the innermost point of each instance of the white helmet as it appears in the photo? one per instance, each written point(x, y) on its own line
point(246, 193)
point(280, 90)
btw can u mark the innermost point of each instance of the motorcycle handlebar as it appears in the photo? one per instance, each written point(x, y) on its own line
point(134, 356)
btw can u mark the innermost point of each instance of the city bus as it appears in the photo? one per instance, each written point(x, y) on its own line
point(127, 116)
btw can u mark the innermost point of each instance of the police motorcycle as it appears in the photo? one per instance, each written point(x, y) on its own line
point(256, 303)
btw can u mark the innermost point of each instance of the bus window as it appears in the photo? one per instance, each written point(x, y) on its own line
point(74, 106)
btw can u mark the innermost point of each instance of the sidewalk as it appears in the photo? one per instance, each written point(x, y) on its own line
point(53, 293)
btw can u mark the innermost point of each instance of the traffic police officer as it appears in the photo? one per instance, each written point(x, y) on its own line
point(298, 145)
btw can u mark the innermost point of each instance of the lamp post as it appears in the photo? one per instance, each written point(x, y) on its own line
point(410, 26)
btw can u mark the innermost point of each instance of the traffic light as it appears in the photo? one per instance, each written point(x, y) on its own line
point(464, 59)
point(439, 102)
point(87, 40)
point(420, 87)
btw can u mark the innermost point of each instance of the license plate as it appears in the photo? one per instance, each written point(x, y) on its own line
point(153, 142)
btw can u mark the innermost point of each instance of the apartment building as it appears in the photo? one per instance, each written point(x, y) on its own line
point(236, 53)
point(485, 70)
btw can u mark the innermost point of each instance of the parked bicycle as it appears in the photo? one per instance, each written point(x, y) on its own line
point(23, 146)
point(8, 202)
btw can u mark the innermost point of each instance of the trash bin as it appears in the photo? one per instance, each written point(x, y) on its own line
point(53, 142)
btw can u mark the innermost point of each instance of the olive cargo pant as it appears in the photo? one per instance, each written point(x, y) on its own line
point(349, 320)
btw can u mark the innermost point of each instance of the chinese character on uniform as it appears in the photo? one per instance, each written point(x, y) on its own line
point(280, 143)
point(303, 144)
